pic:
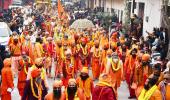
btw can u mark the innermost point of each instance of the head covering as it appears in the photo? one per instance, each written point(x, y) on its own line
point(84, 70)
point(145, 57)
point(39, 61)
point(122, 39)
point(114, 34)
point(72, 80)
point(109, 52)
point(84, 40)
point(57, 83)
point(49, 39)
point(114, 44)
point(7, 62)
point(35, 72)
point(104, 78)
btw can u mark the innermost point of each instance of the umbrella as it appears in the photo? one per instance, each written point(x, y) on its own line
point(82, 24)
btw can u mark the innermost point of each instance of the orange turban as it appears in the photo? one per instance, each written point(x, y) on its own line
point(35, 72)
point(105, 78)
point(114, 35)
point(57, 83)
point(39, 61)
point(122, 39)
point(7, 62)
point(145, 57)
point(114, 44)
point(84, 70)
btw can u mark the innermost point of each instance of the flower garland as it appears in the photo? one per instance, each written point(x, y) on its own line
point(97, 55)
point(67, 69)
point(39, 89)
point(84, 49)
point(25, 69)
point(113, 66)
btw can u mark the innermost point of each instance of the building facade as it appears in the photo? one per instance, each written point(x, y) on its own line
point(148, 10)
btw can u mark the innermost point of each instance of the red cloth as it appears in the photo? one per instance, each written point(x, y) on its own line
point(103, 93)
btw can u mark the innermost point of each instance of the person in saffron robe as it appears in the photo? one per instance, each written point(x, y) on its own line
point(50, 55)
point(15, 50)
point(85, 83)
point(24, 64)
point(157, 72)
point(83, 52)
point(39, 63)
point(115, 69)
point(67, 67)
point(57, 91)
point(164, 87)
point(72, 92)
point(59, 53)
point(103, 57)
point(150, 90)
point(129, 67)
point(34, 87)
point(38, 48)
point(27, 47)
point(7, 84)
point(103, 90)
point(96, 59)
point(141, 72)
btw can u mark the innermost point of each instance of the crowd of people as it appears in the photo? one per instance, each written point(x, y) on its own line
point(42, 42)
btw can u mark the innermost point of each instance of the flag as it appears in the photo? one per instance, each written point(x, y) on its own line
point(60, 9)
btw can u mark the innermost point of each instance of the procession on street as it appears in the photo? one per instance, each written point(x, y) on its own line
point(85, 57)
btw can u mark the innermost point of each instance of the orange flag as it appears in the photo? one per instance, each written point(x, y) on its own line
point(60, 9)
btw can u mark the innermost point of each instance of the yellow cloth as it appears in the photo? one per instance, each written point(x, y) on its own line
point(145, 95)
point(86, 87)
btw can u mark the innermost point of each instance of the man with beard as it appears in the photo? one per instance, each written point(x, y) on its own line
point(39, 63)
point(157, 72)
point(104, 56)
point(57, 92)
point(83, 52)
point(129, 64)
point(142, 70)
point(24, 64)
point(72, 92)
point(85, 83)
point(150, 90)
point(15, 49)
point(96, 58)
point(34, 87)
point(103, 90)
point(114, 68)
